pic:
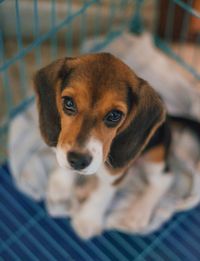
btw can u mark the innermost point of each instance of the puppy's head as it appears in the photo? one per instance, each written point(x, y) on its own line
point(95, 110)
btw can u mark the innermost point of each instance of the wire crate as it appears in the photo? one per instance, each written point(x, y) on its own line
point(33, 33)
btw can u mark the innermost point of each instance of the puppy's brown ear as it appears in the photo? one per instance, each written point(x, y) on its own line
point(45, 84)
point(146, 114)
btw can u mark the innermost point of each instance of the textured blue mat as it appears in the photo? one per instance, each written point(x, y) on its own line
point(27, 233)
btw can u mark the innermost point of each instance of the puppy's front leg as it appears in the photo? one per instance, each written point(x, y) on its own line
point(158, 182)
point(59, 190)
point(89, 219)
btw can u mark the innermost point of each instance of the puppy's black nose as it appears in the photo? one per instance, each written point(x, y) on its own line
point(78, 161)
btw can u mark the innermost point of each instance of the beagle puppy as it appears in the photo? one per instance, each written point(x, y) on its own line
point(100, 117)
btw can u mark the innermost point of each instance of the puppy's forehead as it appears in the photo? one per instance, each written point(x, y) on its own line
point(97, 70)
point(99, 74)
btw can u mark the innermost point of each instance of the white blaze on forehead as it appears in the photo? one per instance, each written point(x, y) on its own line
point(95, 149)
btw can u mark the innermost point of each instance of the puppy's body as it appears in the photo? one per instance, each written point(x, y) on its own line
point(100, 117)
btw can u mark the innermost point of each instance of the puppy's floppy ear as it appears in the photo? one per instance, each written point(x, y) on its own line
point(146, 114)
point(45, 82)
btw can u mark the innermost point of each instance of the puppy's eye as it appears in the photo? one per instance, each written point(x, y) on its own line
point(113, 118)
point(69, 105)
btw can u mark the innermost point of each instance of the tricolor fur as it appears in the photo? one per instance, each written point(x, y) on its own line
point(101, 117)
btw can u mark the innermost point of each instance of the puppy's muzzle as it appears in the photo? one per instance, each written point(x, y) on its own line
point(78, 161)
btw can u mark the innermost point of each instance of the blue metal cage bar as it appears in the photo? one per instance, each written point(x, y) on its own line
point(47, 35)
point(36, 33)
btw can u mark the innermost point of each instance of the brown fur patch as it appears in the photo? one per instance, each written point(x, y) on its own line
point(156, 154)
point(119, 181)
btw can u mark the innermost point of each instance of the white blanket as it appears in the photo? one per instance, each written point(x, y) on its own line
point(31, 161)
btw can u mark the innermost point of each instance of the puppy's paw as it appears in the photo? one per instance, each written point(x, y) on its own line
point(87, 224)
point(138, 219)
point(132, 220)
point(117, 220)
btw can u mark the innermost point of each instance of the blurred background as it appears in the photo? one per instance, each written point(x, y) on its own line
point(34, 33)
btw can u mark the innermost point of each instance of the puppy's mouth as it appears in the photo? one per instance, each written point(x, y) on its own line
point(87, 163)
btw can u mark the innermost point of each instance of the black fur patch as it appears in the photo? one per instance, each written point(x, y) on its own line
point(64, 75)
point(131, 98)
point(190, 123)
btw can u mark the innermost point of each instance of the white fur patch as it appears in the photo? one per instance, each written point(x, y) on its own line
point(95, 149)
point(103, 174)
point(61, 157)
point(154, 172)
point(59, 191)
